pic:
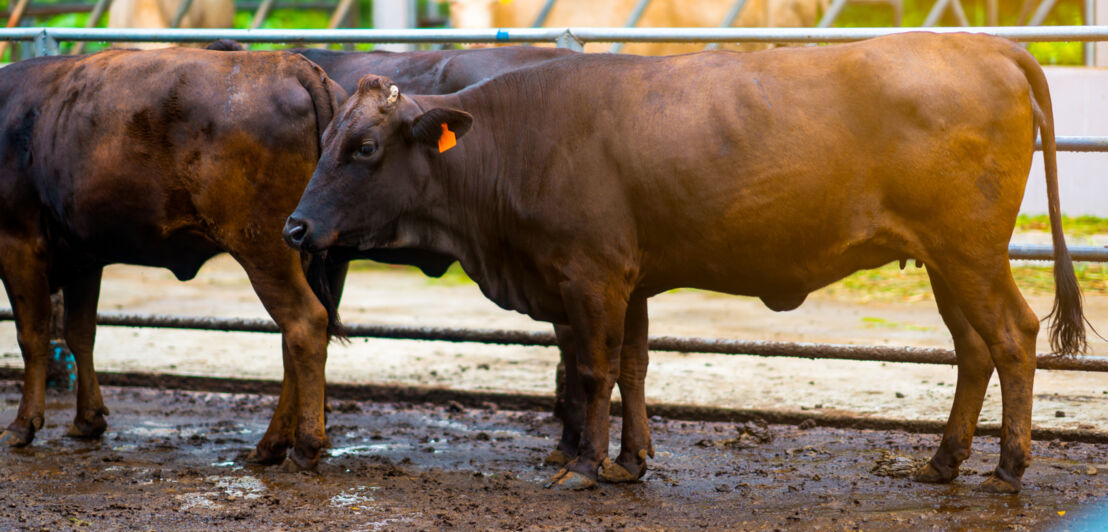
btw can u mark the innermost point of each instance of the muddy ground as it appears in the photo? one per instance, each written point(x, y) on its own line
point(174, 460)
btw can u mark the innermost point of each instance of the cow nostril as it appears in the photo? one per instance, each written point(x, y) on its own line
point(295, 232)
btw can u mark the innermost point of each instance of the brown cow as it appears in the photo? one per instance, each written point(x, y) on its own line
point(161, 158)
point(574, 190)
point(443, 72)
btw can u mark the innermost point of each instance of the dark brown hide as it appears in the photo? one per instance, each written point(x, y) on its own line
point(588, 184)
point(428, 72)
point(444, 72)
point(161, 158)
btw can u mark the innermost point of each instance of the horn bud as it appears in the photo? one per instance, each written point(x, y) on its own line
point(394, 94)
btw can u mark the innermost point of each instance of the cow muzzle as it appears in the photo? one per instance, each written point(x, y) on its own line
point(297, 233)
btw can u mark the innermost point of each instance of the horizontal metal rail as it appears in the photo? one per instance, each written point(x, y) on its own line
point(1046, 252)
point(536, 35)
point(1078, 144)
point(918, 355)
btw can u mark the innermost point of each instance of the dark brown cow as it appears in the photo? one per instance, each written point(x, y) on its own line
point(428, 72)
point(580, 187)
point(161, 158)
point(444, 72)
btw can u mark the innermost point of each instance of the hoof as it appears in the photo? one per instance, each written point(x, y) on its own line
point(930, 475)
point(265, 458)
point(570, 480)
point(299, 461)
point(556, 458)
point(292, 465)
point(14, 437)
point(614, 473)
point(92, 426)
point(995, 484)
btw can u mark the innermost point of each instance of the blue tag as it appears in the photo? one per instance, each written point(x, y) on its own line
point(501, 35)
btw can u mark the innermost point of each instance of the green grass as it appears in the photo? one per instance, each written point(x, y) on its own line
point(890, 284)
point(885, 284)
point(1073, 225)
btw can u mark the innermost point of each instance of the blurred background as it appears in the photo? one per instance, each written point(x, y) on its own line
point(319, 14)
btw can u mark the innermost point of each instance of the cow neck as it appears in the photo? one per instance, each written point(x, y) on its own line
point(475, 211)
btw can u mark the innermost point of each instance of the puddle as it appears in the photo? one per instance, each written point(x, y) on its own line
point(355, 497)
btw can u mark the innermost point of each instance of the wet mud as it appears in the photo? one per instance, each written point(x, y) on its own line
point(174, 460)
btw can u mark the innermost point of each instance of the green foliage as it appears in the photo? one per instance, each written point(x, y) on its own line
point(1065, 12)
point(888, 283)
point(1073, 226)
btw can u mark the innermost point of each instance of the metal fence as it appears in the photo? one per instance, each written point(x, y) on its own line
point(46, 40)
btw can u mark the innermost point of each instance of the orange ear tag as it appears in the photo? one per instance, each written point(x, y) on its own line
point(447, 140)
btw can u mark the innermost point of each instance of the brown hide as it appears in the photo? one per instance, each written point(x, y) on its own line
point(160, 158)
point(582, 186)
point(658, 14)
point(428, 72)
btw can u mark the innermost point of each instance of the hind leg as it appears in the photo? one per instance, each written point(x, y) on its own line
point(987, 295)
point(81, 297)
point(23, 268)
point(975, 367)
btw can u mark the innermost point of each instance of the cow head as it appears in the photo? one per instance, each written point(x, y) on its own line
point(376, 165)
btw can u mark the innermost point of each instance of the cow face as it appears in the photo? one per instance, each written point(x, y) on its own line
point(376, 165)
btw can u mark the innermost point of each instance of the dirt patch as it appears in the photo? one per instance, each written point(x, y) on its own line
point(173, 460)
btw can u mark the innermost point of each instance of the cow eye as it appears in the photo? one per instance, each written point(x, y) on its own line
point(367, 149)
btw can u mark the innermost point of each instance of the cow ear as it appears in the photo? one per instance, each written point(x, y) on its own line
point(441, 127)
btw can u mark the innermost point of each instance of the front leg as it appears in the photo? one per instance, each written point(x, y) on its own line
point(23, 268)
point(596, 312)
point(569, 402)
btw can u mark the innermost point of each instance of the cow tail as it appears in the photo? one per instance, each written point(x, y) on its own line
point(325, 275)
point(1067, 327)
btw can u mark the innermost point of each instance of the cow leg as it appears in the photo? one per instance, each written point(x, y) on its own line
point(569, 399)
point(634, 357)
point(23, 268)
point(975, 367)
point(280, 284)
point(988, 297)
point(81, 297)
point(272, 448)
point(597, 323)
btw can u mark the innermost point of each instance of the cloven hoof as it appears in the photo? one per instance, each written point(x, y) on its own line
point(995, 484)
point(570, 480)
point(614, 473)
point(930, 475)
point(13, 437)
point(265, 458)
point(556, 458)
point(90, 426)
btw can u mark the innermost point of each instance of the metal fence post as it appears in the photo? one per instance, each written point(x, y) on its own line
point(729, 20)
point(44, 44)
point(543, 14)
point(180, 15)
point(632, 21)
point(568, 40)
point(101, 7)
point(1089, 19)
